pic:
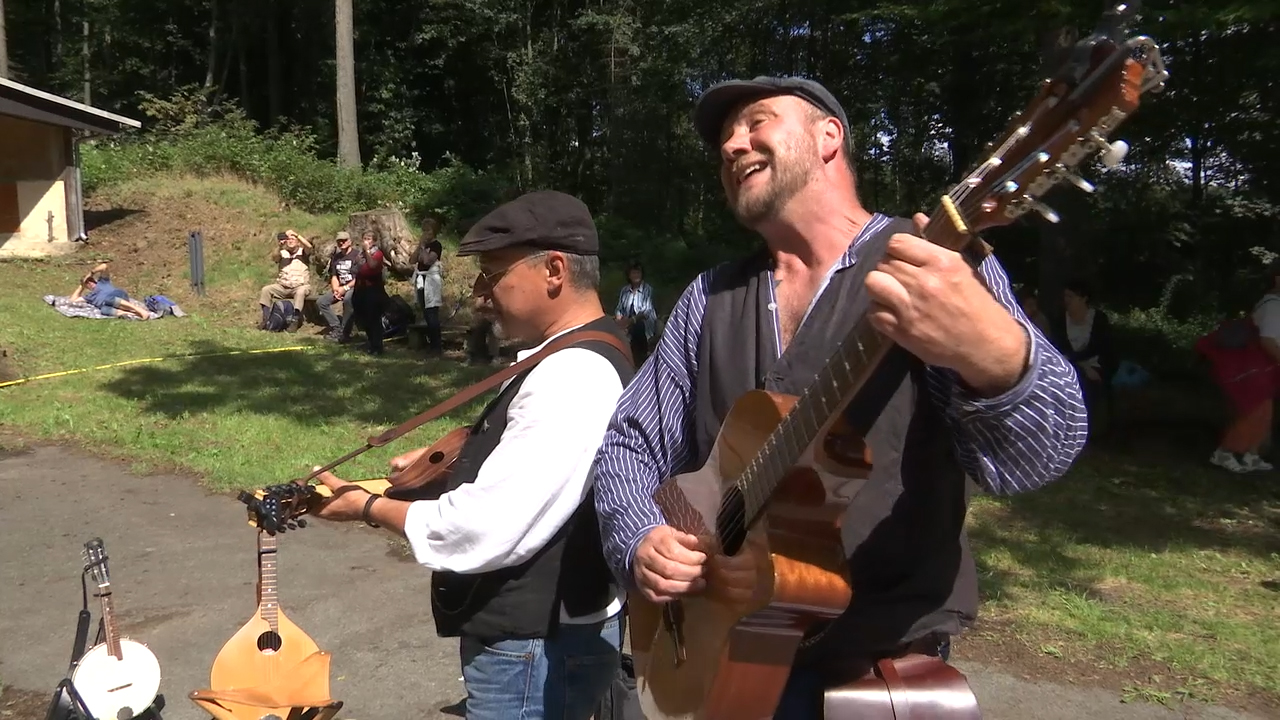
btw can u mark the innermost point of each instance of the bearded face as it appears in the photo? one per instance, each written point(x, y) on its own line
point(779, 157)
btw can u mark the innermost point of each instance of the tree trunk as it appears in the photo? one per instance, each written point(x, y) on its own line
point(348, 130)
point(211, 70)
point(84, 57)
point(395, 238)
point(275, 93)
point(4, 46)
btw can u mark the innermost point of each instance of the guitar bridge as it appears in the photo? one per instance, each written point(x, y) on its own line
point(673, 621)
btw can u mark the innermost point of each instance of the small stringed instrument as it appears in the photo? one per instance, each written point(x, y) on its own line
point(421, 478)
point(270, 666)
point(118, 678)
point(725, 654)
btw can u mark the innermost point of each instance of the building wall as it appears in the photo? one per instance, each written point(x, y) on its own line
point(33, 161)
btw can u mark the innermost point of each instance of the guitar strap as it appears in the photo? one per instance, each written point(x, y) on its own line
point(474, 391)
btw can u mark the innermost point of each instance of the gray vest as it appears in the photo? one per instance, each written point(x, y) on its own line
point(903, 533)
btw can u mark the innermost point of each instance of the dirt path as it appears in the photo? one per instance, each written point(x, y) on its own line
point(183, 565)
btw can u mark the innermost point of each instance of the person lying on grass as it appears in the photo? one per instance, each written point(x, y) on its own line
point(96, 289)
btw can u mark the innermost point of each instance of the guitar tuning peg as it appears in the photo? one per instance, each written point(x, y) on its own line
point(1115, 153)
point(1065, 174)
point(1045, 211)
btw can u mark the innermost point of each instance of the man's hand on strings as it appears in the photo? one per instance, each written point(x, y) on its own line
point(930, 301)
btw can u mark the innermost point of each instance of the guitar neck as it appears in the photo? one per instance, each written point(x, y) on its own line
point(109, 621)
point(268, 593)
point(840, 379)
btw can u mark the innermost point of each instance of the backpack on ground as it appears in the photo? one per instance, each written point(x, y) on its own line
point(280, 316)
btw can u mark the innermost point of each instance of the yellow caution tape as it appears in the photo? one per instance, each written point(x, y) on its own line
point(150, 360)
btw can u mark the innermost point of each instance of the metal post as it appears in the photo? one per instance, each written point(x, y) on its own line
point(195, 250)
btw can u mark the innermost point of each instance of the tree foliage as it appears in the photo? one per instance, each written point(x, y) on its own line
point(593, 97)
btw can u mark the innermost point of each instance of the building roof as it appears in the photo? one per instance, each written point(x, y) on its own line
point(29, 103)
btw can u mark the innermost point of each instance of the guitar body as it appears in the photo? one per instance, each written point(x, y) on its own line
point(259, 656)
point(429, 469)
point(740, 641)
point(122, 687)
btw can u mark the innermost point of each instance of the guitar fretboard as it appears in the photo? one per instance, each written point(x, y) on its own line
point(268, 600)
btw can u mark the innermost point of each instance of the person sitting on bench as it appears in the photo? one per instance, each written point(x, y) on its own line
point(292, 257)
point(96, 289)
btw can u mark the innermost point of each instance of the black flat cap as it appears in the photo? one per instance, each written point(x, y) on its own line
point(544, 219)
point(719, 100)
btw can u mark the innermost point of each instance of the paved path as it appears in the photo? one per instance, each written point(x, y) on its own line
point(182, 561)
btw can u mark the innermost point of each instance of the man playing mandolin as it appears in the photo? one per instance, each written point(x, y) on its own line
point(978, 392)
point(513, 542)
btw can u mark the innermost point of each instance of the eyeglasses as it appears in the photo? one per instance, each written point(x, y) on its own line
point(488, 281)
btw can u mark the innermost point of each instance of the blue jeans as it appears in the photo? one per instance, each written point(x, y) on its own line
point(802, 698)
point(562, 677)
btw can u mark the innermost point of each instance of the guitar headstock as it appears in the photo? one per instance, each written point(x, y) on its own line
point(95, 561)
point(278, 508)
point(1099, 84)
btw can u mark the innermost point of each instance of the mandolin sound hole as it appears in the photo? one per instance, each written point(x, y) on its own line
point(436, 456)
point(269, 642)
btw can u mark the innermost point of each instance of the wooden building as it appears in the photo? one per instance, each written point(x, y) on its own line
point(41, 201)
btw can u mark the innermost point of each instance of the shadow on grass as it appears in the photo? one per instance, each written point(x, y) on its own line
point(327, 382)
point(1134, 503)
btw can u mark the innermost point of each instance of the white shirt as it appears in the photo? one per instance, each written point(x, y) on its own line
point(533, 481)
point(1267, 317)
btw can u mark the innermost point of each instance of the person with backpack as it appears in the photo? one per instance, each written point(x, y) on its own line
point(292, 257)
point(1244, 360)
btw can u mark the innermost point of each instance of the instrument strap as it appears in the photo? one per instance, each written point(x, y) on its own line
point(474, 391)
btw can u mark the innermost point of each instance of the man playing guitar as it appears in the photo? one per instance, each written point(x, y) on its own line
point(980, 392)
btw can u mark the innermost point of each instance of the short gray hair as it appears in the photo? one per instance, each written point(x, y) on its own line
point(584, 271)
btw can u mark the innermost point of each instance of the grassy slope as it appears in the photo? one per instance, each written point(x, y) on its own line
point(1154, 567)
point(239, 420)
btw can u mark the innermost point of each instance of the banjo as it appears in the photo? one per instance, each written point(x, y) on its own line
point(118, 678)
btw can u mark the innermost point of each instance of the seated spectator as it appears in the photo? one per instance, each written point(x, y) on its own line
point(636, 313)
point(96, 289)
point(292, 257)
point(1031, 306)
point(1083, 335)
point(342, 280)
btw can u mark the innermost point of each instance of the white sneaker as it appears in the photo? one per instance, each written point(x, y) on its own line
point(1253, 462)
point(1228, 461)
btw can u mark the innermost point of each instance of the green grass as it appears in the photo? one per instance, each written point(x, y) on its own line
point(1132, 560)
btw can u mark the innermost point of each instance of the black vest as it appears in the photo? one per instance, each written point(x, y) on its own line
point(524, 601)
point(907, 552)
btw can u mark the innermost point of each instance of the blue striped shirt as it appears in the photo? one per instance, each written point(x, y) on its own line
point(1011, 443)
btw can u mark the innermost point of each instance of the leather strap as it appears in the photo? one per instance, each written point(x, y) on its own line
point(475, 390)
point(895, 687)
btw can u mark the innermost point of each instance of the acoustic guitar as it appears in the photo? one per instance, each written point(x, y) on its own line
point(726, 653)
point(119, 678)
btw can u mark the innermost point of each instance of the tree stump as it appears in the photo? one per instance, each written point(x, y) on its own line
point(396, 240)
point(398, 243)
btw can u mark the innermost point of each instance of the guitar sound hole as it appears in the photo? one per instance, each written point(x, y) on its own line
point(269, 642)
point(436, 457)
